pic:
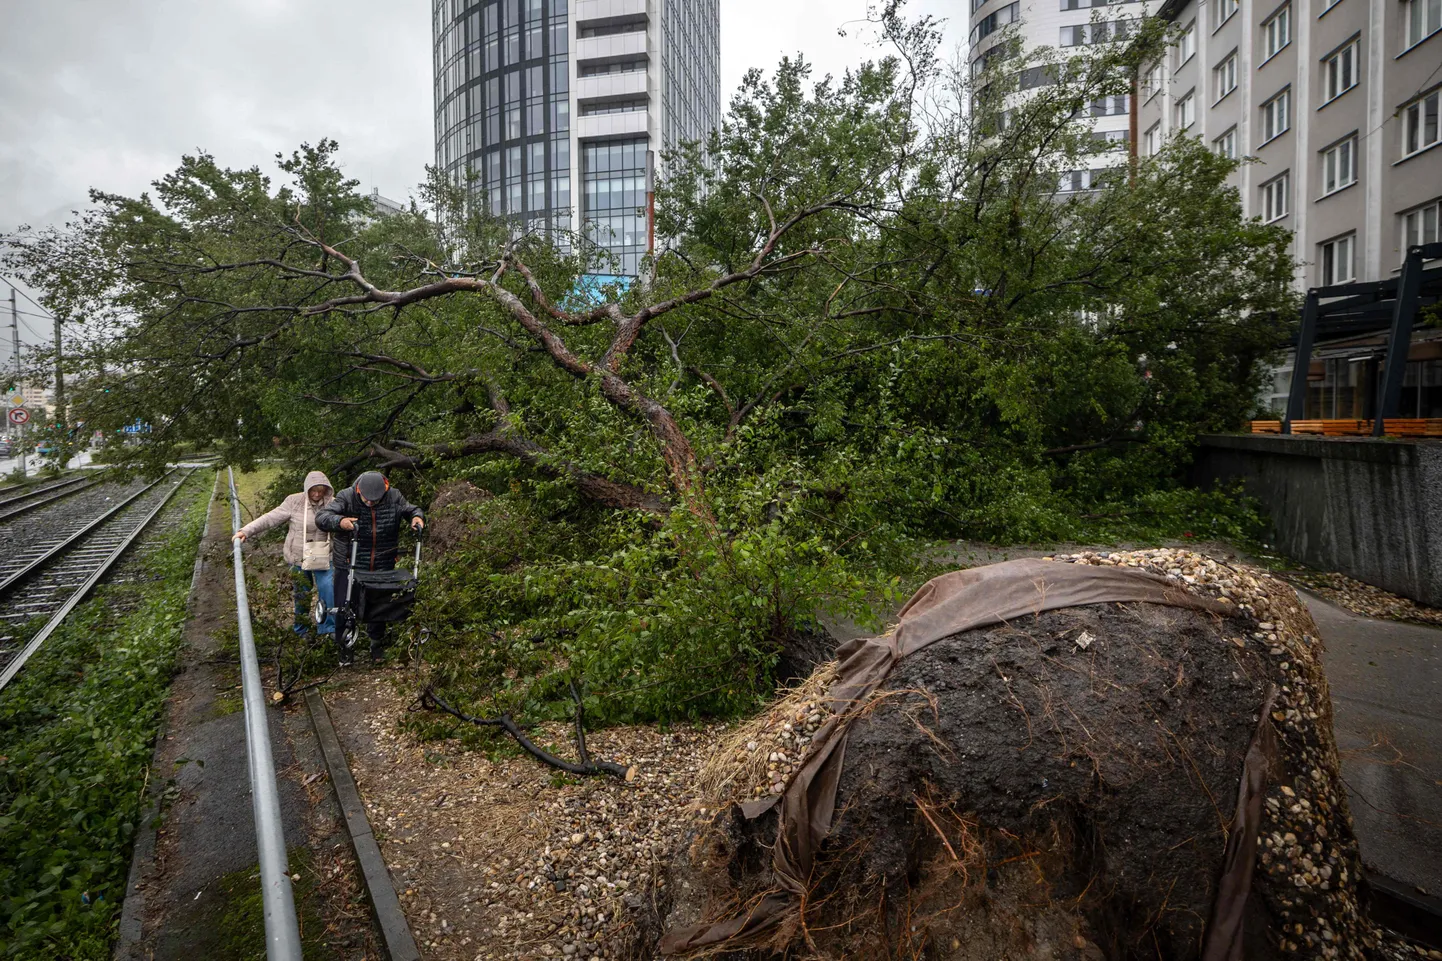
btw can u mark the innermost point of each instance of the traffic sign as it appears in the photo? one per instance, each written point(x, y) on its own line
point(19, 415)
point(17, 401)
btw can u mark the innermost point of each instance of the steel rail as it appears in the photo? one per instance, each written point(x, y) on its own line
point(55, 492)
point(70, 541)
point(282, 932)
point(25, 491)
point(18, 661)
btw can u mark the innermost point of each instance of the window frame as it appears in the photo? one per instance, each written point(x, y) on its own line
point(1282, 183)
point(1230, 6)
point(1426, 6)
point(1283, 15)
point(1153, 82)
point(1152, 140)
point(1349, 143)
point(1433, 205)
point(1332, 245)
point(1188, 39)
point(1419, 105)
point(1230, 134)
point(1331, 69)
point(1284, 97)
point(1232, 59)
point(1187, 102)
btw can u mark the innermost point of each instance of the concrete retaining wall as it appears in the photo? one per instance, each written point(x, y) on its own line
point(1371, 509)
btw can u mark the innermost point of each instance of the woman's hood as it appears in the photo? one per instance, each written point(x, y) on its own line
point(316, 478)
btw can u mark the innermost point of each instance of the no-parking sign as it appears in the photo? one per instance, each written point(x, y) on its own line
point(19, 415)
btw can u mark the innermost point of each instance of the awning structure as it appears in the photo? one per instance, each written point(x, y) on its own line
point(1349, 310)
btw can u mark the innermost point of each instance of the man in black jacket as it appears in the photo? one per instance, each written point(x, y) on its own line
point(371, 513)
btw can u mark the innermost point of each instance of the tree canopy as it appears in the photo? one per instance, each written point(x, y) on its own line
point(872, 320)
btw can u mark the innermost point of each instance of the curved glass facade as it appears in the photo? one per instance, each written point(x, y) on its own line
point(503, 115)
point(543, 105)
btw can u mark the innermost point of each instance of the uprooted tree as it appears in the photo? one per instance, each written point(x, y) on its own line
point(872, 319)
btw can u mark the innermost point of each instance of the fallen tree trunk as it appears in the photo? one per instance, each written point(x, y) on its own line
point(1110, 780)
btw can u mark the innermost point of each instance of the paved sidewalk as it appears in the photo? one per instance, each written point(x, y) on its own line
point(1386, 681)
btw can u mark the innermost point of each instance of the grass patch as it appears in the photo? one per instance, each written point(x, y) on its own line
point(253, 489)
point(76, 733)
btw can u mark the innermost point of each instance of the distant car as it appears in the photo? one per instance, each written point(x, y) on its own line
point(4, 448)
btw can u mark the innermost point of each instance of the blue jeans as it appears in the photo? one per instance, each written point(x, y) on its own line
point(300, 586)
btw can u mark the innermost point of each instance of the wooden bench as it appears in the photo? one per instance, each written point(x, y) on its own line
point(1393, 427)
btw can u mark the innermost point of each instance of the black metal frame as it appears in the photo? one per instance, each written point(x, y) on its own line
point(1351, 309)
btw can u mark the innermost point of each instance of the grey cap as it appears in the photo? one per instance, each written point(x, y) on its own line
point(371, 485)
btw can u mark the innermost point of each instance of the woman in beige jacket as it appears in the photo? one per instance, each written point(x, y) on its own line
point(299, 511)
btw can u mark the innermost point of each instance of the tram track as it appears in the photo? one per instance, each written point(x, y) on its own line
point(27, 501)
point(50, 580)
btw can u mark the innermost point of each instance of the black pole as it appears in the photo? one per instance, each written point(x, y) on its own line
point(1399, 344)
point(1302, 363)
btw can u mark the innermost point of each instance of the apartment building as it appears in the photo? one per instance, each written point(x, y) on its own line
point(1337, 102)
point(560, 109)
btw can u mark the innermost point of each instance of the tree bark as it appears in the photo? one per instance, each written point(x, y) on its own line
point(596, 487)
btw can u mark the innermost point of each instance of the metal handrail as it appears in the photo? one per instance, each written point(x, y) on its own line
point(282, 933)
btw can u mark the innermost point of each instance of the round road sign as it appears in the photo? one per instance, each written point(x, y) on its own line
point(19, 415)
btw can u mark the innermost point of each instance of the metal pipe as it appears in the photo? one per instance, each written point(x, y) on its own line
point(282, 933)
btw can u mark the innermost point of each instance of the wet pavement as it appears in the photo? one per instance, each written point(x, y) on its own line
point(1386, 680)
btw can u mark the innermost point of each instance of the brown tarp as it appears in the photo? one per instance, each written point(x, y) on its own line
point(950, 604)
point(1224, 931)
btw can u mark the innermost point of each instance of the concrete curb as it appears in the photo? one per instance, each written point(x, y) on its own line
point(395, 932)
point(132, 909)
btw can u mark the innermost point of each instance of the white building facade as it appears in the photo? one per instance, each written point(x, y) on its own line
point(1336, 105)
point(1065, 25)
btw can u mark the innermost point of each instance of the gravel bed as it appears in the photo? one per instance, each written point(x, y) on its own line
point(503, 857)
point(1364, 599)
point(52, 523)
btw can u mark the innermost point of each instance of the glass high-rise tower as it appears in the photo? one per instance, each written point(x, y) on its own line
point(558, 110)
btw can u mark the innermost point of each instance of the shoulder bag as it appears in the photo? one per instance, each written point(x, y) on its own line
point(314, 555)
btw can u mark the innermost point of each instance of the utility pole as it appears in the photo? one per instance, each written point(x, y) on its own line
point(62, 440)
point(15, 339)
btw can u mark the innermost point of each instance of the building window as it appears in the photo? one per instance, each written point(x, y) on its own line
point(631, 25)
point(1100, 31)
point(613, 177)
point(1421, 226)
point(1152, 140)
point(1152, 82)
point(1110, 106)
point(1423, 18)
point(1222, 11)
point(1339, 72)
point(1277, 115)
point(993, 22)
point(1338, 260)
point(1275, 198)
point(1187, 44)
point(1419, 123)
point(1226, 144)
point(1277, 31)
point(1339, 166)
point(603, 109)
point(1224, 77)
point(1186, 108)
point(605, 69)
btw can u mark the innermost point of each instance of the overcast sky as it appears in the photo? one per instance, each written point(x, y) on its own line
point(110, 93)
